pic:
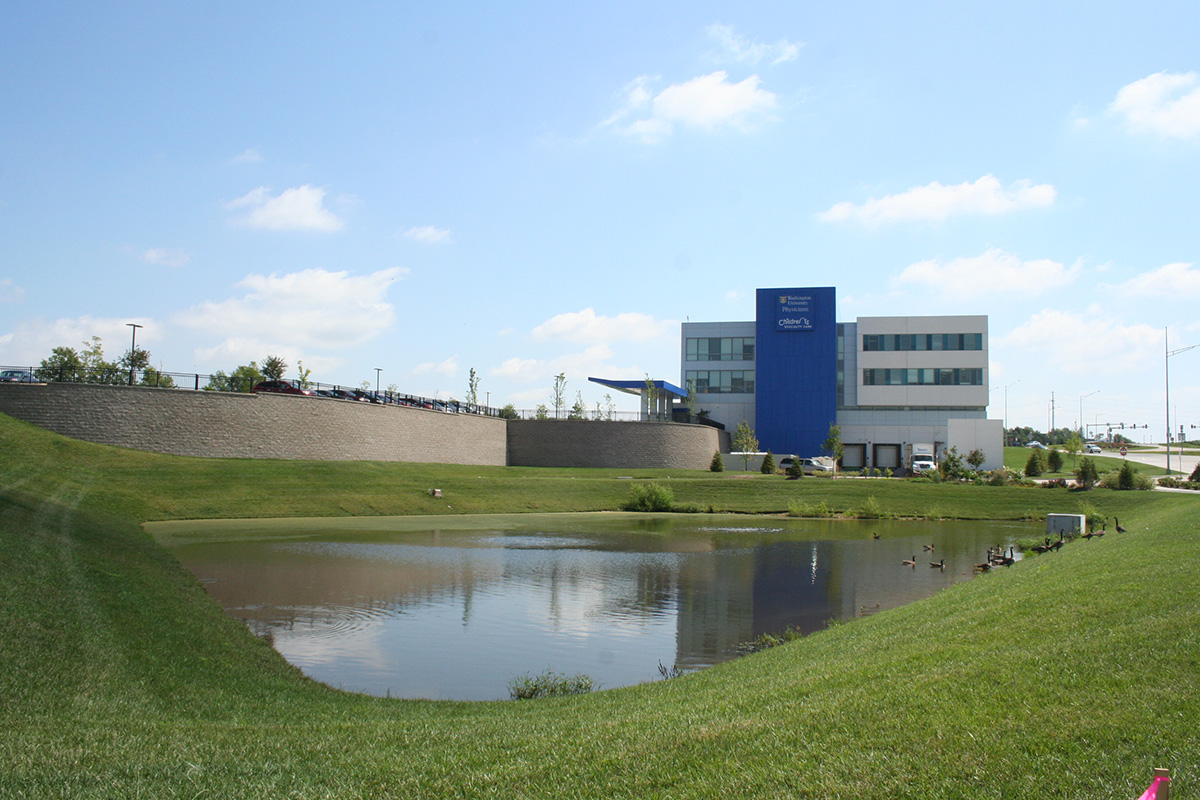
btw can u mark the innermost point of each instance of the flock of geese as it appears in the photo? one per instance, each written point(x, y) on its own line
point(998, 557)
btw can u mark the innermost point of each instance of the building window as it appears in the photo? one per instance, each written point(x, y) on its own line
point(721, 381)
point(906, 342)
point(716, 348)
point(923, 377)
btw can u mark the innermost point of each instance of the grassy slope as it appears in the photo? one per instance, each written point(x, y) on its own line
point(1069, 675)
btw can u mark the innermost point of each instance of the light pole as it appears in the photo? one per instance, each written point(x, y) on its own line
point(133, 355)
point(1167, 375)
point(377, 371)
point(1014, 383)
point(1081, 399)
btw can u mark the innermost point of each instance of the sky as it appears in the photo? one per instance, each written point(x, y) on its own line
point(535, 189)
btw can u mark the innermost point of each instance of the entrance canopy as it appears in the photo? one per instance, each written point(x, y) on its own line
point(665, 395)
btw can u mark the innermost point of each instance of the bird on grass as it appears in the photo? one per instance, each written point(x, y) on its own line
point(1118, 524)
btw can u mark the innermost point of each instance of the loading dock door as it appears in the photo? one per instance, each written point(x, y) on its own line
point(852, 456)
point(887, 456)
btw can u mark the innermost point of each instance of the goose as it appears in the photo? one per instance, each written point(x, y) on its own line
point(928, 548)
point(939, 564)
point(874, 535)
point(910, 562)
point(1118, 524)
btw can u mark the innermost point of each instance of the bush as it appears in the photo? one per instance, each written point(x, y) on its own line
point(1195, 476)
point(768, 464)
point(1087, 475)
point(649, 497)
point(1125, 479)
point(798, 508)
point(548, 684)
point(1035, 466)
point(794, 470)
point(999, 477)
point(871, 509)
point(716, 465)
point(1054, 460)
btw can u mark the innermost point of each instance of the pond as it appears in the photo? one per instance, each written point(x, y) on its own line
point(456, 608)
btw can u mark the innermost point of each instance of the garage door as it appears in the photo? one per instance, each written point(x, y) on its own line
point(852, 456)
point(887, 455)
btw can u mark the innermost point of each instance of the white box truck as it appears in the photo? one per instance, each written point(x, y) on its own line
point(919, 458)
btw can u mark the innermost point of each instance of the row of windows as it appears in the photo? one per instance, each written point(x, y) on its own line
point(922, 341)
point(923, 377)
point(715, 348)
point(721, 381)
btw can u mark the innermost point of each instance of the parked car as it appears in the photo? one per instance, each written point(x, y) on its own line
point(281, 387)
point(1036, 446)
point(1092, 447)
point(16, 376)
point(809, 466)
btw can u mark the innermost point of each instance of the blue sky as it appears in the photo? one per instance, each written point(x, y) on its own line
point(534, 189)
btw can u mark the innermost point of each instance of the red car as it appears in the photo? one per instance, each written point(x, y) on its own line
point(281, 387)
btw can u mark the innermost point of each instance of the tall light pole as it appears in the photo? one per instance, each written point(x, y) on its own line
point(133, 354)
point(377, 371)
point(1167, 375)
point(1014, 383)
point(1081, 399)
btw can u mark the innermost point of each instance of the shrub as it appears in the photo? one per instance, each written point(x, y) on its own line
point(999, 477)
point(799, 508)
point(871, 509)
point(768, 464)
point(794, 470)
point(548, 684)
point(649, 497)
point(1035, 466)
point(716, 465)
point(1054, 459)
point(1125, 478)
point(1056, 483)
point(1087, 475)
point(1195, 476)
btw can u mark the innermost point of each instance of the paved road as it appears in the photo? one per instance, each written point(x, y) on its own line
point(1158, 458)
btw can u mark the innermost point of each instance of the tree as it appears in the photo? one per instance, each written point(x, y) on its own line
point(98, 370)
point(473, 387)
point(273, 368)
point(579, 410)
point(610, 407)
point(509, 412)
point(541, 412)
point(745, 442)
point(1086, 475)
point(833, 444)
point(1074, 445)
point(768, 464)
point(692, 400)
point(976, 458)
point(651, 398)
point(717, 464)
point(951, 465)
point(302, 375)
point(64, 364)
point(1126, 479)
point(134, 361)
point(795, 470)
point(152, 377)
point(1054, 460)
point(1035, 466)
point(559, 392)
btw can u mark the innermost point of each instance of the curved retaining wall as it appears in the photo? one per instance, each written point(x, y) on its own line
point(580, 443)
point(233, 425)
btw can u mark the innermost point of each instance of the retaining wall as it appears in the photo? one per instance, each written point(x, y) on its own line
point(235, 425)
point(581, 443)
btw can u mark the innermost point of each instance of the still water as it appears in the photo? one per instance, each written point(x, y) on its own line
point(456, 608)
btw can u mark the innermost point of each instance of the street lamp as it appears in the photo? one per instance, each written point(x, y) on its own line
point(1167, 375)
point(1081, 399)
point(1014, 383)
point(133, 355)
point(377, 371)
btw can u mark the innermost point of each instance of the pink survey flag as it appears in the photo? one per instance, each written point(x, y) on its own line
point(1151, 792)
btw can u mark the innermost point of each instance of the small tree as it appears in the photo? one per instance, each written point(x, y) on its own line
point(745, 442)
point(1074, 445)
point(651, 398)
point(692, 400)
point(717, 464)
point(1127, 479)
point(302, 376)
point(579, 410)
point(833, 444)
point(768, 464)
point(473, 388)
point(541, 412)
point(1035, 466)
point(274, 368)
point(976, 458)
point(64, 364)
point(795, 471)
point(1055, 460)
point(1087, 475)
point(509, 412)
point(558, 394)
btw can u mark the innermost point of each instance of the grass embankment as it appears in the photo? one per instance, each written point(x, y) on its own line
point(1015, 458)
point(1068, 675)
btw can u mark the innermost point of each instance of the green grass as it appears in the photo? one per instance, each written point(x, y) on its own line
point(1069, 675)
point(1015, 458)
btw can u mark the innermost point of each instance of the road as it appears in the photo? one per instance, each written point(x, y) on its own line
point(1158, 458)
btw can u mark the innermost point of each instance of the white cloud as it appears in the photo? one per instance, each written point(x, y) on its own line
point(993, 272)
point(166, 257)
point(449, 367)
point(297, 314)
point(578, 367)
point(428, 234)
point(586, 326)
point(1163, 104)
point(248, 156)
point(10, 292)
point(708, 102)
point(732, 47)
point(1178, 281)
point(1085, 343)
point(519, 369)
point(935, 202)
point(301, 208)
point(32, 340)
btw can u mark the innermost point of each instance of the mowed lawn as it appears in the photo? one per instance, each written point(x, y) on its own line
point(1069, 675)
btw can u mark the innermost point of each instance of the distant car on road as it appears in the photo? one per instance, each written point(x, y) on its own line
point(1092, 448)
point(809, 466)
point(281, 387)
point(16, 376)
point(1036, 446)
